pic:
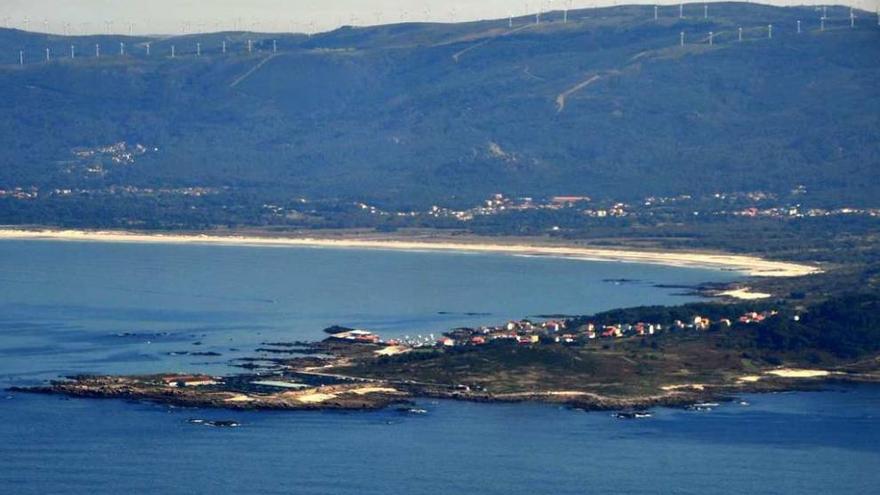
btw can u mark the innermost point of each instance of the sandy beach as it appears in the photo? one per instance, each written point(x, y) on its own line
point(745, 264)
point(786, 373)
point(745, 294)
point(798, 373)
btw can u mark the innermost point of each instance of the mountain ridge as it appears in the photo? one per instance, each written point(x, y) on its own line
point(606, 105)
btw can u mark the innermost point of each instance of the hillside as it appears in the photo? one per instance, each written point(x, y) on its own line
point(606, 105)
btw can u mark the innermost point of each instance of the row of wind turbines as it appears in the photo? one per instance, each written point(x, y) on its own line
point(148, 51)
point(539, 9)
point(249, 46)
point(823, 20)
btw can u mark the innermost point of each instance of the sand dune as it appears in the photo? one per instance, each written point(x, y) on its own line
point(315, 398)
point(798, 373)
point(745, 294)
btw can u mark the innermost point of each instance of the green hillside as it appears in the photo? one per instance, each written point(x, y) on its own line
point(606, 105)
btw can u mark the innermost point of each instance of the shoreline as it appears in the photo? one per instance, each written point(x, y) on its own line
point(748, 265)
point(356, 375)
point(358, 394)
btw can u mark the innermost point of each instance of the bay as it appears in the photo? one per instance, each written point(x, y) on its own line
point(124, 308)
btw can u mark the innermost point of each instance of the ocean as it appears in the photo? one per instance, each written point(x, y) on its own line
point(71, 307)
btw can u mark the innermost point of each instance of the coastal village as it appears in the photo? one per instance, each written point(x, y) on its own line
point(743, 204)
point(550, 332)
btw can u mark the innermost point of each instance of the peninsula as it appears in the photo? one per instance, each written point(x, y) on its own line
point(628, 359)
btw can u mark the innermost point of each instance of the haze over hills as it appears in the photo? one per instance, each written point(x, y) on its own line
point(606, 105)
point(281, 16)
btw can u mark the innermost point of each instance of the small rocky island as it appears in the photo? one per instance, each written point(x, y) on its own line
point(679, 357)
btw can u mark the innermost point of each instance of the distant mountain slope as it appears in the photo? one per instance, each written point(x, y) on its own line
point(607, 104)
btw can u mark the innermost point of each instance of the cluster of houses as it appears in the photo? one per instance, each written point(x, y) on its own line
point(120, 153)
point(19, 193)
point(499, 203)
point(360, 337)
point(561, 331)
point(526, 332)
point(758, 317)
point(796, 211)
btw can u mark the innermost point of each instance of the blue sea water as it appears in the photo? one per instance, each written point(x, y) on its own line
point(123, 308)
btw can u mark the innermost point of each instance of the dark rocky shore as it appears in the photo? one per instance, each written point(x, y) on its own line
point(363, 376)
